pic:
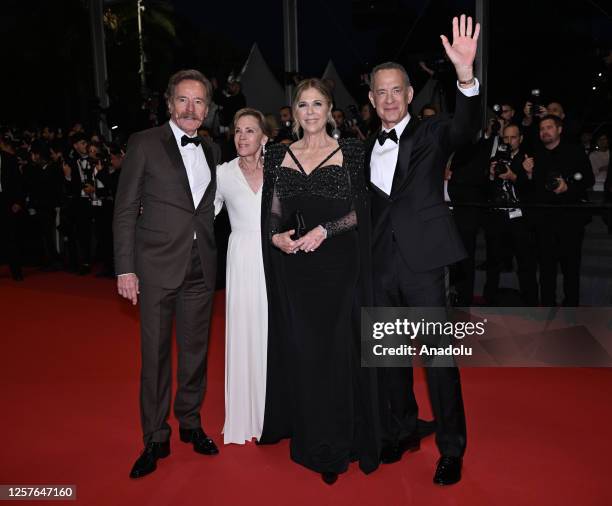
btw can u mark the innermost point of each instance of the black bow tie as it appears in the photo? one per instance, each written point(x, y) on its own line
point(191, 140)
point(383, 136)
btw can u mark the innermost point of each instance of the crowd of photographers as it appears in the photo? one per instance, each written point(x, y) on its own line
point(532, 182)
point(526, 182)
point(56, 197)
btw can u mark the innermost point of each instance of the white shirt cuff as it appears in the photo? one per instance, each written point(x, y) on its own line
point(472, 91)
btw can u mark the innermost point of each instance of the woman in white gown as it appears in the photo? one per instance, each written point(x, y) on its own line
point(239, 185)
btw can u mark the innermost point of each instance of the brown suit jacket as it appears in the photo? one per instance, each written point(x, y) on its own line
point(156, 244)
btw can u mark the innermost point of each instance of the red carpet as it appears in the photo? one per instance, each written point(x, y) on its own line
point(69, 369)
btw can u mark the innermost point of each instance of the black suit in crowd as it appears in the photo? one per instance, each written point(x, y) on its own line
point(413, 238)
point(467, 185)
point(106, 189)
point(11, 222)
point(561, 231)
point(503, 224)
point(80, 220)
point(44, 187)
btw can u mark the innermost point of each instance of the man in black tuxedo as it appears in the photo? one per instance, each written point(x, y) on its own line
point(165, 253)
point(414, 238)
point(80, 186)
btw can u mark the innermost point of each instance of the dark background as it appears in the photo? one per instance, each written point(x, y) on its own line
point(47, 72)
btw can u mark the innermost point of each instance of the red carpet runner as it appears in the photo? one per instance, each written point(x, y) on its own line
point(69, 368)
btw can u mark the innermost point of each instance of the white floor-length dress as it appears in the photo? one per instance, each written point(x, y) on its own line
point(246, 313)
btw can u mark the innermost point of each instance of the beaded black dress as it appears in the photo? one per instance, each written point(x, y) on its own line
point(317, 394)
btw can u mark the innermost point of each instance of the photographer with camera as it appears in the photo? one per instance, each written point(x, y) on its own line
point(533, 112)
point(509, 184)
point(68, 249)
point(561, 174)
point(504, 115)
point(79, 177)
point(106, 175)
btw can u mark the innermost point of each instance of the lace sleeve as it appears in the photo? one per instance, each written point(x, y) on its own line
point(353, 155)
point(344, 224)
point(276, 214)
point(271, 204)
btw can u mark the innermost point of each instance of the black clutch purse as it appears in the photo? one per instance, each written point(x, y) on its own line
point(298, 225)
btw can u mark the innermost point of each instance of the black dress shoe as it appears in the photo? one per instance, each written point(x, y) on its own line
point(329, 478)
point(201, 442)
point(147, 462)
point(393, 452)
point(448, 470)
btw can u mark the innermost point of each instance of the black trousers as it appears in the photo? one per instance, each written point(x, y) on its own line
point(83, 221)
point(103, 221)
point(11, 236)
point(395, 284)
point(46, 217)
point(499, 227)
point(463, 273)
point(560, 242)
point(191, 305)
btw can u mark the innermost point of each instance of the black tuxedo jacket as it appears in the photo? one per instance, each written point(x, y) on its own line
point(156, 244)
point(75, 185)
point(110, 182)
point(11, 181)
point(470, 174)
point(44, 185)
point(414, 215)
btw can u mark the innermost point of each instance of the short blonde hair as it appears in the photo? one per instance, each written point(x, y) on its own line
point(322, 88)
point(258, 115)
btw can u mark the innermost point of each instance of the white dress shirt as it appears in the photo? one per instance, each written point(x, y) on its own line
point(384, 158)
point(198, 171)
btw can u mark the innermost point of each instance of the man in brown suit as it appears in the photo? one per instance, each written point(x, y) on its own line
point(165, 253)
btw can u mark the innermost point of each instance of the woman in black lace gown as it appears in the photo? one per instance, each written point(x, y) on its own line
point(317, 393)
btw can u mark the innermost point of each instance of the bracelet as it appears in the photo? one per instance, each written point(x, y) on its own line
point(469, 81)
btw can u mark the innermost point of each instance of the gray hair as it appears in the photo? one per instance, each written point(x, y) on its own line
point(191, 75)
point(390, 65)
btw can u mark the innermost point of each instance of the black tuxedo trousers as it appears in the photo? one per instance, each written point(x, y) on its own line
point(395, 284)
